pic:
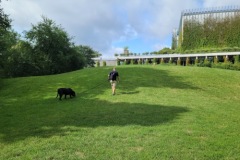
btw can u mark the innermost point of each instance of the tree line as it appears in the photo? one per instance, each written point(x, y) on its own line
point(43, 50)
point(164, 50)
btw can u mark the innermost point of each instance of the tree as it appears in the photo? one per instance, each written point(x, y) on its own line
point(5, 26)
point(7, 38)
point(52, 43)
point(88, 54)
point(47, 50)
point(19, 61)
point(165, 51)
point(5, 22)
point(126, 51)
point(76, 59)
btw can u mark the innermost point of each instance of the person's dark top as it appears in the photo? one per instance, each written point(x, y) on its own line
point(113, 75)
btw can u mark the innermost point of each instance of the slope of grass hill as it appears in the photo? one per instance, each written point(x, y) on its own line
point(159, 112)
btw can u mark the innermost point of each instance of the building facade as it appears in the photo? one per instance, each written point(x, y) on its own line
point(201, 16)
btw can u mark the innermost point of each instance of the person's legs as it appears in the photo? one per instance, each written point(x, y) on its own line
point(113, 87)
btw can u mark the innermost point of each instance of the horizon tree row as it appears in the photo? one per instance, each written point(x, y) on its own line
point(45, 49)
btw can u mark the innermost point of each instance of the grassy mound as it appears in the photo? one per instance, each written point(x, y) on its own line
point(159, 112)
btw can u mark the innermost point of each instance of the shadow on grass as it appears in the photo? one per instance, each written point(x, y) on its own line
point(132, 78)
point(51, 121)
point(152, 77)
point(31, 115)
point(129, 92)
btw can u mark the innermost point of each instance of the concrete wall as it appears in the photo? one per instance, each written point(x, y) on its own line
point(108, 62)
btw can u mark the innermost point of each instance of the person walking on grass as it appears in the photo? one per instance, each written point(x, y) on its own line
point(114, 78)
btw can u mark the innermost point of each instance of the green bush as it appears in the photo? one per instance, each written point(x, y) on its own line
point(132, 62)
point(98, 64)
point(188, 61)
point(236, 66)
point(226, 49)
point(162, 61)
point(140, 61)
point(200, 64)
point(147, 61)
point(227, 65)
point(206, 63)
point(236, 59)
point(154, 61)
point(118, 62)
point(196, 61)
point(215, 60)
point(179, 62)
point(226, 60)
point(236, 48)
point(196, 51)
point(104, 63)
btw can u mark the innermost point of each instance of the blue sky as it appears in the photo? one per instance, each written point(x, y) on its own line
point(109, 25)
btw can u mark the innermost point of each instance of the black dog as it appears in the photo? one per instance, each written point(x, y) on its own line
point(65, 91)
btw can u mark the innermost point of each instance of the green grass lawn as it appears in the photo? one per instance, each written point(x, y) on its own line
point(159, 112)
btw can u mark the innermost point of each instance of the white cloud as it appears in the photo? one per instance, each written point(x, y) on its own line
point(220, 3)
point(158, 47)
point(22, 14)
point(128, 33)
point(101, 23)
point(110, 52)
